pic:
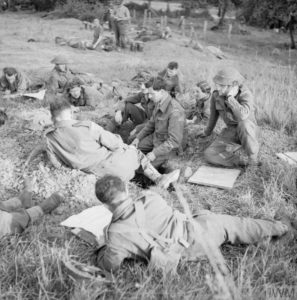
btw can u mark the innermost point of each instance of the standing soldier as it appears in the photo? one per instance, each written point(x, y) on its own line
point(234, 103)
point(291, 26)
point(121, 17)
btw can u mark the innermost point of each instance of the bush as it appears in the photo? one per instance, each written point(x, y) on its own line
point(41, 5)
point(81, 10)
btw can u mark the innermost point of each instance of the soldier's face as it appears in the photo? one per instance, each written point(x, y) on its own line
point(155, 96)
point(75, 92)
point(11, 79)
point(62, 67)
point(197, 93)
point(223, 89)
point(171, 72)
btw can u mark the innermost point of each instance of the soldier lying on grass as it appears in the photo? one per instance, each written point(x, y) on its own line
point(86, 146)
point(147, 228)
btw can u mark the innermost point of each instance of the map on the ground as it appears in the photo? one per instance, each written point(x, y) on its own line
point(289, 157)
point(216, 177)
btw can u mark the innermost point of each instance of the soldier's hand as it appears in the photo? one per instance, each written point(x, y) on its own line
point(151, 156)
point(118, 117)
point(233, 91)
point(135, 143)
point(201, 133)
point(133, 132)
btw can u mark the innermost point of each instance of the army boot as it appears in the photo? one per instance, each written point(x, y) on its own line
point(51, 203)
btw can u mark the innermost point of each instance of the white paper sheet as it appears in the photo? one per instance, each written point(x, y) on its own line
point(215, 177)
point(93, 219)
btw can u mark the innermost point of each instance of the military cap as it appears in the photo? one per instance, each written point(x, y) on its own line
point(204, 86)
point(60, 60)
point(172, 65)
point(227, 76)
point(9, 71)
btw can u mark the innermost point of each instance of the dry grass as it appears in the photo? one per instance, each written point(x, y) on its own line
point(30, 266)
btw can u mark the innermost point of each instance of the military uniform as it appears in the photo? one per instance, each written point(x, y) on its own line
point(241, 128)
point(133, 222)
point(165, 133)
point(173, 84)
point(88, 147)
point(90, 96)
point(21, 84)
point(121, 17)
point(138, 108)
point(58, 80)
point(199, 109)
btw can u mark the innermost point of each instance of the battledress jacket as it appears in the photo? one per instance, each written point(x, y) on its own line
point(241, 109)
point(168, 127)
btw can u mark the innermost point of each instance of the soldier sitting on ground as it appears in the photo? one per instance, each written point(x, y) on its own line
point(148, 229)
point(17, 213)
point(81, 94)
point(137, 108)
point(234, 103)
point(85, 44)
point(165, 133)
point(86, 146)
point(14, 81)
point(62, 75)
point(199, 111)
point(173, 79)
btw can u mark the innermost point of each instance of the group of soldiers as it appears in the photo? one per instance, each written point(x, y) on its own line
point(119, 22)
point(147, 227)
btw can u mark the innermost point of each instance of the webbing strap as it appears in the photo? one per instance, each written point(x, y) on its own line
point(151, 237)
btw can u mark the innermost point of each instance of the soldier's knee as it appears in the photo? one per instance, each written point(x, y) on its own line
point(210, 155)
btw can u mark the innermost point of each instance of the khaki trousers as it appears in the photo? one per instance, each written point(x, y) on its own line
point(223, 150)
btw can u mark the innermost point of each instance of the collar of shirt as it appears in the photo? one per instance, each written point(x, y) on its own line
point(163, 105)
point(61, 72)
point(64, 123)
point(123, 209)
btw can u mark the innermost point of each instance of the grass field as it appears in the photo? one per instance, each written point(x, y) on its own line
point(31, 265)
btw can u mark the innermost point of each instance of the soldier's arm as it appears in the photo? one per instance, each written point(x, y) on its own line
point(51, 155)
point(175, 134)
point(241, 108)
point(106, 138)
point(3, 83)
point(213, 117)
point(127, 14)
point(34, 153)
point(53, 84)
point(22, 84)
point(148, 129)
point(110, 258)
